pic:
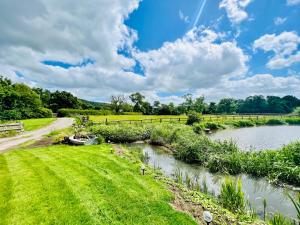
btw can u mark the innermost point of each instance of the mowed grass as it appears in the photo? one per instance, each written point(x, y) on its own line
point(80, 185)
point(35, 124)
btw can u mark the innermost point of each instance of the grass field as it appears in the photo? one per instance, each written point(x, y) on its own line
point(80, 185)
point(34, 124)
point(183, 118)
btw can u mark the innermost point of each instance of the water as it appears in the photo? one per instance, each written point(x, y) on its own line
point(259, 138)
point(255, 189)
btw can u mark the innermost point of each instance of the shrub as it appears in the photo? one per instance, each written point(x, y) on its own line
point(293, 121)
point(231, 196)
point(243, 123)
point(198, 128)
point(121, 133)
point(132, 113)
point(74, 112)
point(212, 125)
point(275, 122)
point(100, 139)
point(193, 117)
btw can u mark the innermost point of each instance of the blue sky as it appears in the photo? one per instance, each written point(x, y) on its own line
point(164, 49)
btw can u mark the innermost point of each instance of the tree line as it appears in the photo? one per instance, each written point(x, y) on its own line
point(19, 101)
point(251, 105)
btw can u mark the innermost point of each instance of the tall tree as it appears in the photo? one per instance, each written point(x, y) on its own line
point(137, 99)
point(117, 103)
point(227, 106)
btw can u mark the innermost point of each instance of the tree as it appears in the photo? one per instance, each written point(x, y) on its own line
point(276, 105)
point(188, 103)
point(227, 106)
point(253, 104)
point(137, 100)
point(199, 104)
point(117, 103)
point(63, 99)
point(212, 108)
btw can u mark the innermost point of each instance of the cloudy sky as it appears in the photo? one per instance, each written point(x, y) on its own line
point(164, 49)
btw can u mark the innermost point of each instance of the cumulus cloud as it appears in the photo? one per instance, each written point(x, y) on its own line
point(235, 10)
point(284, 46)
point(293, 2)
point(68, 31)
point(259, 84)
point(193, 61)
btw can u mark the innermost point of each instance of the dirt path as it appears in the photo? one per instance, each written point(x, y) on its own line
point(60, 123)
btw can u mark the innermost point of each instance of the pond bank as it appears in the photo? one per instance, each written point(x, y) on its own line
point(255, 190)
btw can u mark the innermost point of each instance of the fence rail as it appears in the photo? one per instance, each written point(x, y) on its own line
point(11, 127)
point(204, 118)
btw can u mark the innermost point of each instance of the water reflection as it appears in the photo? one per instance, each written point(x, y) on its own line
point(255, 189)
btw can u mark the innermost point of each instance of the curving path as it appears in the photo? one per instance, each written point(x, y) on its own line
point(60, 123)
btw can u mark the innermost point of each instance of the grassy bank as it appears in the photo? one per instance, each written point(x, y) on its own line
point(278, 165)
point(80, 185)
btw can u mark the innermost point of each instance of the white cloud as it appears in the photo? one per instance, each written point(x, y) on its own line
point(235, 10)
point(284, 46)
point(279, 20)
point(293, 2)
point(68, 31)
point(192, 62)
point(183, 17)
point(259, 84)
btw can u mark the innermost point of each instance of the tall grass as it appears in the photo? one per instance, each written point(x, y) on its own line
point(232, 196)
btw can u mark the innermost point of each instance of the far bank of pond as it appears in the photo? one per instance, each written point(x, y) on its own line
point(255, 189)
point(260, 137)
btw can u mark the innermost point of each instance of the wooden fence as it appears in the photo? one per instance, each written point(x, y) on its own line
point(11, 127)
point(204, 118)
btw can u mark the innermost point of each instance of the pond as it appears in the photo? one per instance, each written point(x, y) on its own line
point(255, 189)
point(259, 138)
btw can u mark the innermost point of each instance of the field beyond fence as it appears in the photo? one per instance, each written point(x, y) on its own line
point(182, 118)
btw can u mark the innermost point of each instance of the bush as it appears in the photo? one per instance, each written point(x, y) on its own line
point(132, 113)
point(193, 117)
point(232, 196)
point(121, 133)
point(74, 112)
point(212, 125)
point(275, 122)
point(293, 121)
point(100, 139)
point(243, 123)
point(44, 113)
point(198, 128)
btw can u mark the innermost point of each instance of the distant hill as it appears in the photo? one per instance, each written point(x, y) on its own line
point(95, 105)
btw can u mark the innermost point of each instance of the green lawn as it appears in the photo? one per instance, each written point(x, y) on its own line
point(80, 185)
point(35, 124)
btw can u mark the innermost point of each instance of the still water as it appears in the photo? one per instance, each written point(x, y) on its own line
point(258, 138)
point(255, 189)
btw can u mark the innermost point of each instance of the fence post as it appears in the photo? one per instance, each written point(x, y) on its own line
point(160, 120)
point(106, 122)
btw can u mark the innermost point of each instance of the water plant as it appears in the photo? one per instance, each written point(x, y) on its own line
point(296, 203)
point(279, 219)
point(232, 196)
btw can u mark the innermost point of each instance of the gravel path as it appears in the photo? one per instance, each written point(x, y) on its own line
point(60, 123)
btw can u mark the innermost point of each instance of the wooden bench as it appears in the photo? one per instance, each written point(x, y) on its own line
point(11, 127)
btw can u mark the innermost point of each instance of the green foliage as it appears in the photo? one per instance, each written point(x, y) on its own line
point(296, 203)
point(74, 112)
point(8, 134)
point(275, 122)
point(198, 128)
point(121, 133)
point(232, 196)
point(279, 219)
point(297, 111)
point(193, 117)
point(100, 140)
point(18, 101)
point(293, 121)
point(213, 125)
point(242, 123)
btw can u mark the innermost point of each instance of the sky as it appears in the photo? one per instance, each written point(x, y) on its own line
point(161, 48)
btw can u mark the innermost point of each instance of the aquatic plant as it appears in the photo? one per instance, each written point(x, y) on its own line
point(275, 122)
point(296, 203)
point(279, 219)
point(231, 196)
